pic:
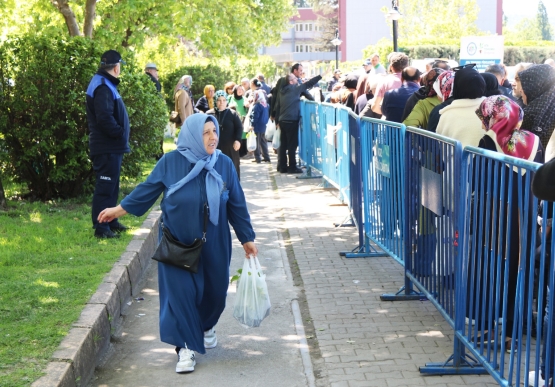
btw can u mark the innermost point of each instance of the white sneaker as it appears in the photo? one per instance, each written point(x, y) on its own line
point(210, 339)
point(186, 362)
point(532, 379)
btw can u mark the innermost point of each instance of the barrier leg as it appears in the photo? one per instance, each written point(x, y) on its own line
point(459, 363)
point(309, 174)
point(364, 251)
point(347, 222)
point(406, 293)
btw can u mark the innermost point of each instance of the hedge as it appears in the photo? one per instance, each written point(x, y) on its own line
point(43, 125)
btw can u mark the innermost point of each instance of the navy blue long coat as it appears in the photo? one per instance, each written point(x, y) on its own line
point(192, 303)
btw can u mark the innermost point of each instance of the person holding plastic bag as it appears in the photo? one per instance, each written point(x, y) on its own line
point(194, 175)
point(259, 119)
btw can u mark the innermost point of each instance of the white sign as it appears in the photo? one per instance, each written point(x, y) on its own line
point(482, 50)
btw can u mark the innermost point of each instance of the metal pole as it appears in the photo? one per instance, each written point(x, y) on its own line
point(394, 5)
point(336, 49)
point(395, 35)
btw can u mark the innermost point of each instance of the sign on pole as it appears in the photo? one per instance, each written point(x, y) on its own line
point(482, 50)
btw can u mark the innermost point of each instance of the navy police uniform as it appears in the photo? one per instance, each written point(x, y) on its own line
point(108, 141)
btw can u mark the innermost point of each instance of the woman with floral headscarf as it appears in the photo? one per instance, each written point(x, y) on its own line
point(231, 129)
point(444, 89)
point(418, 117)
point(259, 118)
point(501, 118)
point(206, 102)
point(194, 175)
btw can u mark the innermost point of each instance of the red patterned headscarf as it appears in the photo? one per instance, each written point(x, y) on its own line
point(502, 118)
point(444, 84)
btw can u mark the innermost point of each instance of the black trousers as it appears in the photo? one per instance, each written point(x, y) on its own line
point(107, 167)
point(289, 144)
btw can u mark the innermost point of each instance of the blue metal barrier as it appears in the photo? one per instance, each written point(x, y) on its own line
point(310, 151)
point(382, 148)
point(364, 248)
point(342, 166)
point(430, 236)
point(329, 132)
point(495, 295)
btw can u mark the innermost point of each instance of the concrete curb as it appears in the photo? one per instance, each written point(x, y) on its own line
point(79, 353)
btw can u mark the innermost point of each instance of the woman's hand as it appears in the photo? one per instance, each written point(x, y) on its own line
point(109, 214)
point(250, 249)
point(236, 145)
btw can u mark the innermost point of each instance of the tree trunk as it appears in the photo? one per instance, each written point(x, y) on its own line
point(69, 16)
point(90, 13)
point(3, 203)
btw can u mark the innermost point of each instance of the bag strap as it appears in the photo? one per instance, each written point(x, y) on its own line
point(206, 212)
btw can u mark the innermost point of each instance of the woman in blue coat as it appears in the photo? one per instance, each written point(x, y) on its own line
point(194, 174)
point(259, 119)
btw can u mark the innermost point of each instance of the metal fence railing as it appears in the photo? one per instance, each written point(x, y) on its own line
point(465, 226)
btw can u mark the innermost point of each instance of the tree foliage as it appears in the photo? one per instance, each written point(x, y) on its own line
point(216, 27)
point(544, 27)
point(525, 30)
point(440, 19)
point(42, 105)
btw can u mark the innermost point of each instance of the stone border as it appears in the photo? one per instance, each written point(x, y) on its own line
point(75, 360)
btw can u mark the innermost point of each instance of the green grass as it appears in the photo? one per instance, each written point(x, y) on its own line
point(50, 265)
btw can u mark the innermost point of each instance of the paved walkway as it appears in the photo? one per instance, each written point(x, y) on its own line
point(330, 302)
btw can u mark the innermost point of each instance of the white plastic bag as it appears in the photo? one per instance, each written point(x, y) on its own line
point(252, 302)
point(270, 130)
point(247, 123)
point(276, 141)
point(251, 141)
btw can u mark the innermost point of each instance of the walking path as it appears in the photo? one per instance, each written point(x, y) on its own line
point(328, 326)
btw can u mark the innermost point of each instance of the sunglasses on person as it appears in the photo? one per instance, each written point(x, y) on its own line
point(466, 66)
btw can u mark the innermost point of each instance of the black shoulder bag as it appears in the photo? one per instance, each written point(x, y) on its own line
point(175, 253)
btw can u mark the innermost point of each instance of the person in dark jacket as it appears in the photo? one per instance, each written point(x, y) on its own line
point(259, 119)
point(206, 102)
point(152, 71)
point(108, 139)
point(288, 110)
point(231, 129)
point(394, 101)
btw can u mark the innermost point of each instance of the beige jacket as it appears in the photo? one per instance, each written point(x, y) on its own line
point(183, 104)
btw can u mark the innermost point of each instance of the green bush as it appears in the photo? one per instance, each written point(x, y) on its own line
point(43, 118)
point(517, 54)
point(429, 51)
point(148, 118)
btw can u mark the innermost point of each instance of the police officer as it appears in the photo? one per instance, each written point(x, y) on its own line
point(108, 139)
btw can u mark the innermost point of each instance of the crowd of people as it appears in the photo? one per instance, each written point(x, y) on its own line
point(481, 109)
point(478, 109)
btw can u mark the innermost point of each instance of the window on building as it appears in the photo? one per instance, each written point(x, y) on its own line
point(308, 48)
point(299, 48)
point(298, 27)
point(308, 27)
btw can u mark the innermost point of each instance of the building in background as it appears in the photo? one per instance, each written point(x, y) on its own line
point(300, 43)
point(361, 24)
